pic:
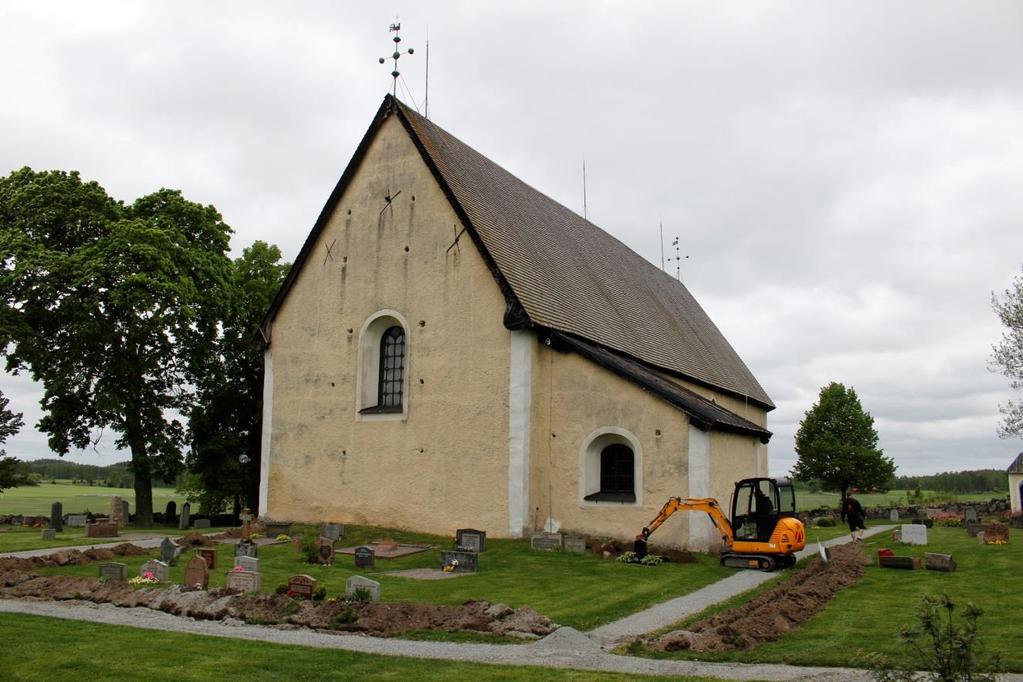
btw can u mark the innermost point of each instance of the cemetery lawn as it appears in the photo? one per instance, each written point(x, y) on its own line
point(76, 498)
point(51, 648)
point(21, 538)
point(580, 590)
point(868, 616)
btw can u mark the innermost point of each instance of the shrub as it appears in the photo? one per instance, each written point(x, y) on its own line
point(320, 594)
point(651, 560)
point(361, 594)
point(346, 617)
point(826, 522)
point(627, 558)
point(281, 589)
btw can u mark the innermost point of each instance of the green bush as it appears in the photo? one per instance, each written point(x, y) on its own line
point(827, 522)
point(346, 617)
point(320, 594)
point(281, 589)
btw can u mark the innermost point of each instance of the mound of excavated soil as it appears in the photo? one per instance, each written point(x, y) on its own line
point(774, 612)
point(74, 557)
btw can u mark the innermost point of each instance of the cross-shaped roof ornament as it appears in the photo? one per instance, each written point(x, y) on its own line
point(395, 27)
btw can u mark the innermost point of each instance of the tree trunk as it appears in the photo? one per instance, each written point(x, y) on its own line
point(140, 468)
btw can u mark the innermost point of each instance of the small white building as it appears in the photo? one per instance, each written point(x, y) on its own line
point(1015, 472)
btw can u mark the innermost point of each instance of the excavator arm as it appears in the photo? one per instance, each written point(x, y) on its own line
point(674, 504)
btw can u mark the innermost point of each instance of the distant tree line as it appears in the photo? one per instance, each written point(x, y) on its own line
point(977, 481)
point(116, 475)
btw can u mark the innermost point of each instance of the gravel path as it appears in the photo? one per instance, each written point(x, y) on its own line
point(664, 614)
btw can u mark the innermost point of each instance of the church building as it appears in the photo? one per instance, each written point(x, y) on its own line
point(452, 348)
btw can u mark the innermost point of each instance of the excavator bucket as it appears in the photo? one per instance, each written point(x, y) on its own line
point(639, 548)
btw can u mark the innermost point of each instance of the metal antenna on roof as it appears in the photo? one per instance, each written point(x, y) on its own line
point(395, 27)
point(678, 259)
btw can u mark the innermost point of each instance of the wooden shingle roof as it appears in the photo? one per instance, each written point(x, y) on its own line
point(1017, 465)
point(559, 271)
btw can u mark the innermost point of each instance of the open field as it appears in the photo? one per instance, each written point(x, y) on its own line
point(868, 616)
point(893, 498)
point(581, 590)
point(76, 498)
point(50, 649)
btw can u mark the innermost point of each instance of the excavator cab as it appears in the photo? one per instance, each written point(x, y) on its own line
point(756, 506)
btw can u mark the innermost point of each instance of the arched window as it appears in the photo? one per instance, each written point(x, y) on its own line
point(617, 471)
point(610, 467)
point(392, 368)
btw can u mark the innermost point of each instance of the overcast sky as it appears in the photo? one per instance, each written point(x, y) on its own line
point(843, 177)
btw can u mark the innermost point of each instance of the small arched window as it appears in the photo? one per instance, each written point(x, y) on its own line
point(611, 471)
point(392, 368)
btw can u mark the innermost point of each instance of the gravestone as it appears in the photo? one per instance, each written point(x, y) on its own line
point(101, 529)
point(325, 551)
point(275, 529)
point(125, 512)
point(903, 562)
point(186, 517)
point(197, 573)
point(246, 548)
point(209, 555)
point(49, 534)
point(996, 534)
point(170, 512)
point(364, 557)
point(357, 582)
point(57, 516)
point(77, 520)
point(939, 562)
point(159, 569)
point(246, 519)
point(111, 570)
point(117, 512)
point(470, 539)
point(970, 515)
point(574, 543)
point(914, 534)
point(457, 561)
point(545, 541)
point(244, 581)
point(334, 531)
point(893, 515)
point(201, 524)
point(247, 563)
point(169, 551)
point(302, 585)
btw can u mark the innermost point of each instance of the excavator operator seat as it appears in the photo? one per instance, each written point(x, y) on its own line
point(755, 509)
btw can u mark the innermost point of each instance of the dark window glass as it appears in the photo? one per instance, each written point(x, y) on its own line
point(616, 469)
point(392, 367)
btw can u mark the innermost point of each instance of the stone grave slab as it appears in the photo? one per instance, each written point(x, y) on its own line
point(246, 548)
point(540, 542)
point(159, 569)
point(364, 557)
point(112, 570)
point(185, 520)
point(996, 534)
point(302, 585)
point(247, 563)
point(457, 561)
point(169, 551)
point(57, 516)
point(389, 552)
point(244, 581)
point(209, 555)
point(325, 551)
point(49, 534)
point(939, 562)
point(101, 530)
point(275, 528)
point(357, 582)
point(574, 543)
point(914, 534)
point(197, 573)
point(470, 539)
point(893, 515)
point(903, 562)
point(200, 524)
point(77, 520)
point(334, 531)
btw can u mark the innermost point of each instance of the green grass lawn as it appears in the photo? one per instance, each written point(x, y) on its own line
point(893, 498)
point(50, 648)
point(76, 498)
point(581, 590)
point(20, 538)
point(867, 616)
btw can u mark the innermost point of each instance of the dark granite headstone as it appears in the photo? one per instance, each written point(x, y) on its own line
point(470, 539)
point(334, 531)
point(57, 516)
point(325, 551)
point(246, 548)
point(201, 524)
point(170, 512)
point(209, 555)
point(364, 557)
point(302, 585)
point(125, 509)
point(159, 569)
point(169, 551)
point(275, 529)
point(197, 573)
point(186, 517)
point(939, 562)
point(111, 570)
point(457, 561)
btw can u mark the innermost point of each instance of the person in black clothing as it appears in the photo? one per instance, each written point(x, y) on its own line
point(854, 517)
point(764, 509)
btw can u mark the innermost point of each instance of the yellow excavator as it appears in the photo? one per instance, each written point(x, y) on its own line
point(763, 533)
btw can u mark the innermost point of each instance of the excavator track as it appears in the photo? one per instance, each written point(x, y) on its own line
point(762, 562)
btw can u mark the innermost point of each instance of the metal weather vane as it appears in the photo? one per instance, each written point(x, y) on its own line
point(395, 27)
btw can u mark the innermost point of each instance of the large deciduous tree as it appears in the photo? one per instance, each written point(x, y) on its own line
point(837, 444)
point(12, 473)
point(226, 423)
point(1007, 356)
point(113, 308)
